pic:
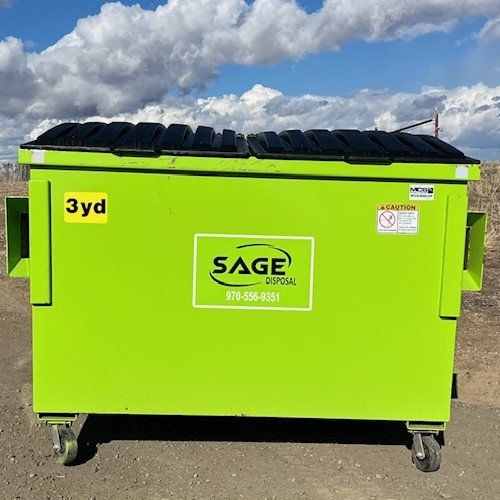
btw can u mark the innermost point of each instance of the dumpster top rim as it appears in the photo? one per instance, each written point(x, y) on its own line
point(248, 167)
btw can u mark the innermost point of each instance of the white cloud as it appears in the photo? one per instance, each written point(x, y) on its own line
point(490, 31)
point(17, 80)
point(12, 133)
point(469, 115)
point(126, 56)
point(5, 3)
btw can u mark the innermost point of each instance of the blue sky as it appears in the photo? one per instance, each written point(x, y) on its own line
point(449, 59)
point(289, 65)
point(45, 21)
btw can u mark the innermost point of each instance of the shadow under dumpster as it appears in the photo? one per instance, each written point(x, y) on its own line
point(98, 429)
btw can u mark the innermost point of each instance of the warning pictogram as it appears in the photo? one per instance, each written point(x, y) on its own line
point(387, 219)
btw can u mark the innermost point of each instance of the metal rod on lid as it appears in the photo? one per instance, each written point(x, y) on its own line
point(414, 125)
point(434, 119)
point(436, 123)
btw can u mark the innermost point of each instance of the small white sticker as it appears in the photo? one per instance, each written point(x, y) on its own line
point(421, 191)
point(38, 156)
point(462, 172)
point(398, 218)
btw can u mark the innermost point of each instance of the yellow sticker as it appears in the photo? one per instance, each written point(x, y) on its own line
point(86, 207)
point(398, 206)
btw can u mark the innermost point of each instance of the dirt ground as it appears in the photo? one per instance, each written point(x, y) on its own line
point(186, 457)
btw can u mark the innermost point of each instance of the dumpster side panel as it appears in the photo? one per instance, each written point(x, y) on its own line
point(40, 244)
point(122, 335)
point(453, 257)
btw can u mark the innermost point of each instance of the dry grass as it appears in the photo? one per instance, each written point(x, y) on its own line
point(484, 196)
point(13, 172)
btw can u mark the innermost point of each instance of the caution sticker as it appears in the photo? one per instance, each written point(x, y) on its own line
point(398, 218)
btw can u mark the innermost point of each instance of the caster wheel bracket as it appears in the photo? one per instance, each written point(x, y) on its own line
point(56, 438)
point(418, 446)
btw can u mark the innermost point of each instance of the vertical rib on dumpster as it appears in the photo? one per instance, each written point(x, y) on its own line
point(40, 268)
point(453, 257)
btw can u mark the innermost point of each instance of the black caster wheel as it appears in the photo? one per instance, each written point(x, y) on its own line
point(66, 449)
point(426, 452)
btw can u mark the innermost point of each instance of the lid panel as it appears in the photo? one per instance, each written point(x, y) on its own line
point(271, 142)
point(203, 138)
point(142, 137)
point(154, 139)
point(109, 134)
point(444, 147)
point(391, 144)
point(299, 142)
point(54, 134)
point(228, 141)
point(328, 144)
point(175, 137)
point(423, 148)
point(78, 135)
point(360, 143)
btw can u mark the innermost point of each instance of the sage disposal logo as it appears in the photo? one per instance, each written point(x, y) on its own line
point(255, 264)
point(253, 272)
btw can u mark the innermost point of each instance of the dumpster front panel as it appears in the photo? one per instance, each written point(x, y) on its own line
point(123, 333)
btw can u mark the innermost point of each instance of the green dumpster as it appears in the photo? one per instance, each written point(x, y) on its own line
point(303, 274)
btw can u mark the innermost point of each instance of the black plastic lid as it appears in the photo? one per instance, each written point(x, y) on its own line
point(154, 139)
point(328, 144)
point(391, 144)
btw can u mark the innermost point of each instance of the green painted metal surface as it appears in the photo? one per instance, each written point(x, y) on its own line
point(134, 323)
point(40, 241)
point(473, 266)
point(453, 257)
point(17, 240)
